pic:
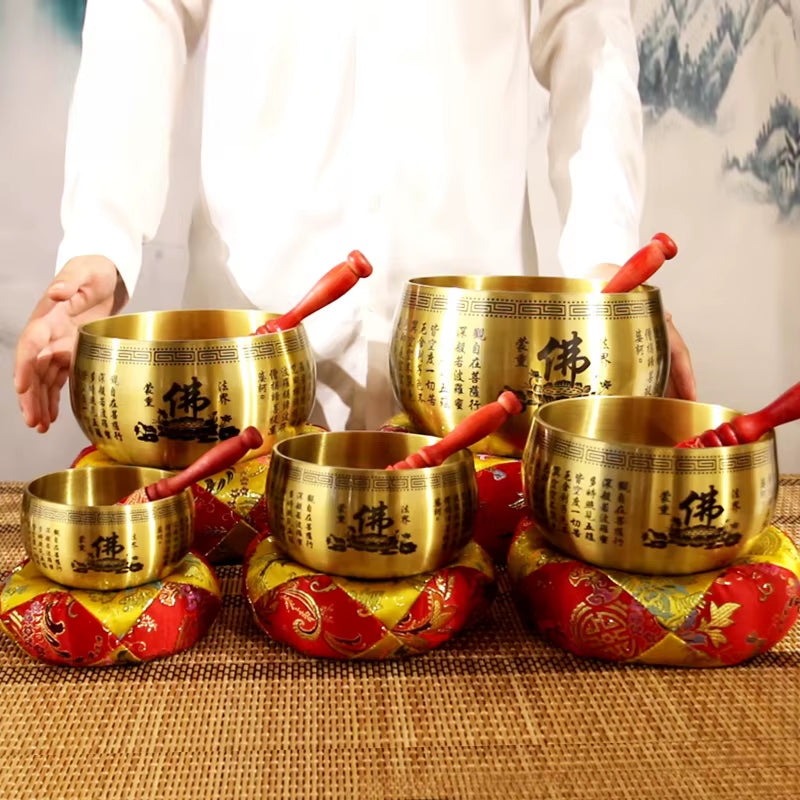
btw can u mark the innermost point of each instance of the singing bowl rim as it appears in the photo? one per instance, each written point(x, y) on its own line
point(572, 287)
point(91, 473)
point(462, 457)
point(97, 329)
point(540, 418)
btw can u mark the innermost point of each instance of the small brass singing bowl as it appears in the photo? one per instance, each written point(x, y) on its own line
point(459, 341)
point(334, 507)
point(76, 535)
point(159, 389)
point(604, 481)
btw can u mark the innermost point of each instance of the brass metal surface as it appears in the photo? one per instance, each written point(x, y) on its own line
point(334, 507)
point(160, 388)
point(459, 341)
point(76, 535)
point(606, 484)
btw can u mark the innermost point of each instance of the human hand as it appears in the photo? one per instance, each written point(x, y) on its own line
point(681, 381)
point(86, 289)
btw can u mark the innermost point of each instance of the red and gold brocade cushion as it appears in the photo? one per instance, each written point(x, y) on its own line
point(710, 619)
point(334, 617)
point(81, 628)
point(501, 504)
point(230, 507)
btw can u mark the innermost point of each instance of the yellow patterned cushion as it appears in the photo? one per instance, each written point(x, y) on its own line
point(77, 627)
point(335, 617)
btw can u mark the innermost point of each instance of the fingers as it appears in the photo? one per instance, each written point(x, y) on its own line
point(54, 394)
point(43, 423)
point(84, 283)
point(34, 338)
point(77, 292)
point(681, 381)
point(55, 378)
point(34, 398)
point(34, 404)
point(42, 365)
point(74, 275)
point(40, 402)
point(30, 407)
point(86, 288)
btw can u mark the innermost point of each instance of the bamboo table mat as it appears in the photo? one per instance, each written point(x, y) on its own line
point(495, 713)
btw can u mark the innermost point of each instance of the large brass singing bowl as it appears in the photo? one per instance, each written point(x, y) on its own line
point(160, 388)
point(76, 535)
point(603, 480)
point(459, 341)
point(333, 506)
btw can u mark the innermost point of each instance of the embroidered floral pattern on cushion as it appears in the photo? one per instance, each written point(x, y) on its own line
point(335, 617)
point(709, 619)
point(75, 627)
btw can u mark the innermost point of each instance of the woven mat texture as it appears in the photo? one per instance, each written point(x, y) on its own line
point(497, 713)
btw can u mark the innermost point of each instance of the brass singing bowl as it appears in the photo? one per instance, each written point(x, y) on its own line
point(602, 478)
point(160, 388)
point(333, 506)
point(459, 341)
point(76, 536)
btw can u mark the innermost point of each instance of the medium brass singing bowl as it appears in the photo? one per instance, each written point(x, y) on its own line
point(334, 507)
point(602, 478)
point(459, 341)
point(76, 535)
point(160, 388)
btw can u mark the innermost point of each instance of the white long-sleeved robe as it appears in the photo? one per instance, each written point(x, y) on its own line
point(399, 129)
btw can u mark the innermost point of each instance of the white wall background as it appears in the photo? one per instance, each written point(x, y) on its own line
point(733, 289)
point(37, 70)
